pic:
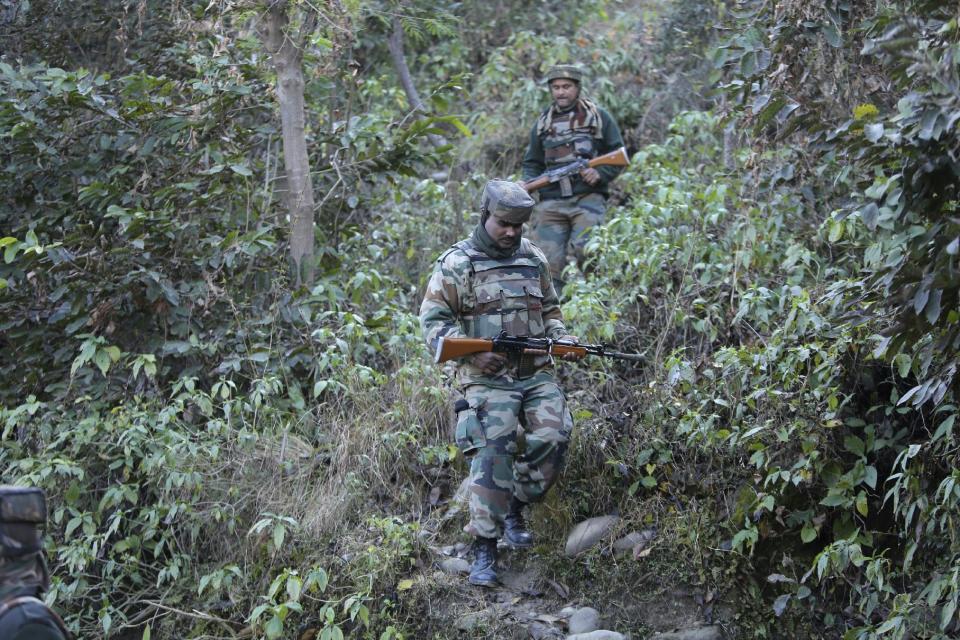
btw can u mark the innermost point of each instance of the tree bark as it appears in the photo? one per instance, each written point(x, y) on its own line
point(399, 58)
point(286, 54)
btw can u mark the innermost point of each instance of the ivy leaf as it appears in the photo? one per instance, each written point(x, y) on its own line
point(780, 604)
point(869, 215)
point(933, 306)
point(835, 500)
point(760, 102)
point(854, 445)
point(870, 476)
point(873, 132)
point(920, 298)
point(832, 35)
point(102, 359)
point(274, 628)
point(10, 252)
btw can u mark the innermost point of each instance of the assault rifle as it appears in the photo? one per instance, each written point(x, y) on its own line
point(618, 158)
point(450, 348)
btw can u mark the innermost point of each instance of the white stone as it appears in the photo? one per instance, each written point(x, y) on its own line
point(601, 634)
point(709, 632)
point(455, 565)
point(584, 620)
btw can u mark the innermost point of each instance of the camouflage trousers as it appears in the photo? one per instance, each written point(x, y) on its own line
point(488, 430)
point(560, 227)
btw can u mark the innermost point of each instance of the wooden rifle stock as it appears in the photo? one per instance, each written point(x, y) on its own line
point(617, 158)
point(450, 348)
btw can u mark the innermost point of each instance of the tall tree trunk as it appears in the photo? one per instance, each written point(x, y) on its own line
point(399, 58)
point(287, 57)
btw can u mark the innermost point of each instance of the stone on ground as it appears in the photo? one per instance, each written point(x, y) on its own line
point(584, 620)
point(588, 533)
point(635, 539)
point(455, 565)
point(600, 634)
point(709, 632)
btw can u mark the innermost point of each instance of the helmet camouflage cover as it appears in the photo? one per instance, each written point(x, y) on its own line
point(506, 200)
point(569, 71)
point(23, 510)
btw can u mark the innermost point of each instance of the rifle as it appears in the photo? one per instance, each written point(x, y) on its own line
point(450, 348)
point(618, 158)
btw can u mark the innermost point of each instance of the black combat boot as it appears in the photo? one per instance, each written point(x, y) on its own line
point(515, 531)
point(483, 571)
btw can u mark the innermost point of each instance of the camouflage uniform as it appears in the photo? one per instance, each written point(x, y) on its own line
point(23, 571)
point(472, 293)
point(568, 209)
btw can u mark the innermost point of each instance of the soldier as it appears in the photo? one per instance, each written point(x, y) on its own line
point(23, 571)
point(572, 127)
point(495, 281)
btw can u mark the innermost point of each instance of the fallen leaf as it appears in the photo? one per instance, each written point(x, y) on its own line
point(561, 590)
point(640, 552)
point(546, 617)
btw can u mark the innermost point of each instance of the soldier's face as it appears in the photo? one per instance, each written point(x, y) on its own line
point(505, 234)
point(564, 92)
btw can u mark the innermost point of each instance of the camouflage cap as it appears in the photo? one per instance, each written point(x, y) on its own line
point(568, 71)
point(506, 200)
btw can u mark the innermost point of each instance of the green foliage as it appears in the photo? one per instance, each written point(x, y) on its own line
point(802, 317)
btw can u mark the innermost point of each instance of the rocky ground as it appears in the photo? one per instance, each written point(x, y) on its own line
point(528, 603)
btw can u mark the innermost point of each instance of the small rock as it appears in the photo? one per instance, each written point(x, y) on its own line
point(584, 620)
point(709, 632)
point(635, 538)
point(588, 533)
point(455, 565)
point(540, 631)
point(470, 621)
point(600, 634)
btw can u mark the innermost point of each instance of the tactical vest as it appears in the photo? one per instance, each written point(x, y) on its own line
point(504, 295)
point(567, 140)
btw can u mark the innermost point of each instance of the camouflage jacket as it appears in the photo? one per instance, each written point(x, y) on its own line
point(23, 576)
point(471, 294)
point(567, 137)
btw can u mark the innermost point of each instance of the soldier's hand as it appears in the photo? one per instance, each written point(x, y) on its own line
point(571, 356)
point(590, 175)
point(489, 362)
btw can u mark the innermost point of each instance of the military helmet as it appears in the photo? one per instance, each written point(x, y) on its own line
point(506, 200)
point(23, 510)
point(568, 71)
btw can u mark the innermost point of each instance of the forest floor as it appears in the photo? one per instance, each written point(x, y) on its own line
point(544, 593)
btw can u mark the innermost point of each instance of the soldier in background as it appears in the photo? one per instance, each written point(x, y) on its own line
point(23, 571)
point(571, 128)
point(495, 281)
